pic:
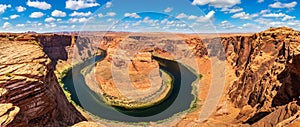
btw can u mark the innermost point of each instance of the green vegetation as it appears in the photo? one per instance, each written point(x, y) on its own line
point(8, 74)
point(64, 73)
point(61, 76)
point(34, 42)
point(196, 102)
point(200, 76)
point(195, 105)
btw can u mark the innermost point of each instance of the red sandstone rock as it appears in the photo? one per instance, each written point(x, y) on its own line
point(27, 75)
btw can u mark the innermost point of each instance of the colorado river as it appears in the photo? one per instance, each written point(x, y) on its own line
point(179, 100)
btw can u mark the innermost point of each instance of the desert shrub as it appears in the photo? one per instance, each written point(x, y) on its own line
point(200, 76)
point(8, 74)
point(34, 42)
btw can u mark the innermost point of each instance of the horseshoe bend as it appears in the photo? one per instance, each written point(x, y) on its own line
point(149, 85)
point(163, 79)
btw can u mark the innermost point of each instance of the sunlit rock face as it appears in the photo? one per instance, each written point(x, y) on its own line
point(268, 76)
point(31, 95)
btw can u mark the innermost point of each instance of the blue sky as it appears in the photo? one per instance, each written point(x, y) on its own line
point(202, 16)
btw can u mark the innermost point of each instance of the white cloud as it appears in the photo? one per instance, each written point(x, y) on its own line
point(20, 25)
point(180, 25)
point(3, 7)
point(151, 22)
point(279, 15)
point(20, 9)
point(75, 13)
point(262, 21)
point(36, 15)
point(168, 9)
point(264, 11)
point(109, 20)
point(73, 26)
point(58, 13)
point(35, 24)
point(40, 5)
point(50, 19)
point(243, 15)
point(274, 15)
point(207, 17)
point(283, 5)
point(72, 20)
point(80, 20)
point(226, 25)
point(137, 23)
point(192, 17)
point(170, 23)
point(111, 14)
point(274, 23)
point(164, 21)
point(293, 23)
point(108, 4)
point(80, 4)
point(204, 18)
point(247, 25)
point(260, 1)
point(14, 16)
point(50, 25)
point(232, 10)
point(5, 18)
point(181, 15)
point(6, 25)
point(64, 27)
point(250, 26)
point(132, 15)
point(217, 3)
point(100, 15)
point(287, 17)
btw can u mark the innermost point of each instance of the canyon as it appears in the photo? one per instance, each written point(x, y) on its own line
point(261, 79)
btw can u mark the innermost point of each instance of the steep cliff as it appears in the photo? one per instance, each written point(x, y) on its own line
point(267, 66)
point(30, 90)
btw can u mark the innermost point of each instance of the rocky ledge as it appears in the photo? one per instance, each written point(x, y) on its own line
point(30, 94)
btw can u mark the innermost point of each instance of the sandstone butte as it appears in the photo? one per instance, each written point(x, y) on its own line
point(261, 86)
point(144, 75)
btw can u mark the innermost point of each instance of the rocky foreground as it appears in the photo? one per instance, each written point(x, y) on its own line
point(30, 94)
point(261, 88)
point(265, 88)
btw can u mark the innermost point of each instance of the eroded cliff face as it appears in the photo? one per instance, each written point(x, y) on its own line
point(30, 90)
point(267, 66)
point(57, 47)
point(265, 90)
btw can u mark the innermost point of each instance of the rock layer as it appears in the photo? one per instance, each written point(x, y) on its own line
point(27, 75)
point(268, 76)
